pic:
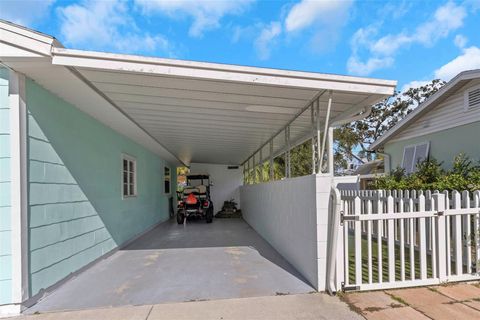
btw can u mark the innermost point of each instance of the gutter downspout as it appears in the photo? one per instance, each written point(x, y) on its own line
point(386, 161)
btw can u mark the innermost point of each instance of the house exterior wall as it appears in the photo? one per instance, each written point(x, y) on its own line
point(76, 210)
point(226, 182)
point(5, 191)
point(444, 145)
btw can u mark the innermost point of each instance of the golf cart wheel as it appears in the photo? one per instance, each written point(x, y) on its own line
point(209, 215)
point(180, 217)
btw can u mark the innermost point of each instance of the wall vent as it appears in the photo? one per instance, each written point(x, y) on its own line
point(232, 167)
point(472, 98)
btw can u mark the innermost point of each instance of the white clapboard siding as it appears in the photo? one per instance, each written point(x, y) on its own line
point(448, 114)
point(436, 234)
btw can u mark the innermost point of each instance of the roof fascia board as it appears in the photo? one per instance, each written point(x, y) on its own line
point(208, 71)
point(434, 100)
point(26, 39)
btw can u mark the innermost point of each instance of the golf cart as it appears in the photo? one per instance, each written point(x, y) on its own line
point(195, 199)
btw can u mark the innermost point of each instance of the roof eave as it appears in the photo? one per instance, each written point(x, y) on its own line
point(434, 100)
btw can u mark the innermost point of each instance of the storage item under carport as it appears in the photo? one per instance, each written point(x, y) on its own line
point(229, 210)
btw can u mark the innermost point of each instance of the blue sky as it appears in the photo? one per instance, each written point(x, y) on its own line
point(408, 41)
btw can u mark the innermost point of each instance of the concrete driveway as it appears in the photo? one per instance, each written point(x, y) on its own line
point(176, 263)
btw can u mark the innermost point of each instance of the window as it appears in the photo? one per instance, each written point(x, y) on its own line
point(129, 176)
point(166, 173)
point(472, 98)
point(414, 154)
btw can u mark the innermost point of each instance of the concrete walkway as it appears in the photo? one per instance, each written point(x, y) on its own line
point(176, 263)
point(304, 306)
point(449, 302)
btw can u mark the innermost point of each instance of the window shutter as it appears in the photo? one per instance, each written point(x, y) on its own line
point(408, 154)
point(421, 154)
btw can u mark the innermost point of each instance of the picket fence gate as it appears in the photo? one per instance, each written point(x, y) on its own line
point(393, 239)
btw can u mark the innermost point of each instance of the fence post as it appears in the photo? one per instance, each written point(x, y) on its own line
point(391, 241)
point(423, 240)
point(476, 226)
point(358, 241)
point(441, 233)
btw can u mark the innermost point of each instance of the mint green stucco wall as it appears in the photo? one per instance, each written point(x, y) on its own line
point(5, 214)
point(444, 145)
point(76, 211)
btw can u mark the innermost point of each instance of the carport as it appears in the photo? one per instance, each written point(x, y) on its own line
point(194, 112)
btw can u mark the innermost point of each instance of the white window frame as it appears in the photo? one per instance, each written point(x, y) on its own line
point(169, 180)
point(414, 164)
point(134, 161)
point(465, 98)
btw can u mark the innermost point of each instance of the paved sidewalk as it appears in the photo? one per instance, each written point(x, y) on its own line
point(449, 302)
point(316, 306)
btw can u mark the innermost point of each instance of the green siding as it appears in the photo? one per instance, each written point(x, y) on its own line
point(5, 209)
point(444, 145)
point(76, 211)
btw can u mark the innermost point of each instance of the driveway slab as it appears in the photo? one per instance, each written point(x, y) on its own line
point(462, 291)
point(176, 263)
point(403, 313)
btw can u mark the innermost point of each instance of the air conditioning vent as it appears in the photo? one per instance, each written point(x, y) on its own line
point(473, 98)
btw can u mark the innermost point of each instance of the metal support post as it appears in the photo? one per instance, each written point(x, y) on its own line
point(271, 161)
point(330, 151)
point(312, 120)
point(317, 154)
point(260, 166)
point(325, 131)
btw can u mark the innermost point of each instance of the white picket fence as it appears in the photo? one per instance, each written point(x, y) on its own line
point(392, 239)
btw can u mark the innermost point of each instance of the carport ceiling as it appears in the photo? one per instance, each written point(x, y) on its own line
point(184, 110)
point(204, 112)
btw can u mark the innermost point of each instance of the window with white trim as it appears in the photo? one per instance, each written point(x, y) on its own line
point(414, 154)
point(472, 98)
point(129, 176)
point(167, 179)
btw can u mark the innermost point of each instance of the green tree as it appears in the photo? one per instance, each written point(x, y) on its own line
point(353, 139)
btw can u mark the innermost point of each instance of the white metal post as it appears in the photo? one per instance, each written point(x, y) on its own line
point(260, 165)
point(254, 169)
point(327, 118)
point(312, 120)
point(271, 161)
point(330, 151)
point(287, 153)
point(317, 154)
point(248, 171)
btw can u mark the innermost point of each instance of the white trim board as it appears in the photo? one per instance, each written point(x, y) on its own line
point(19, 206)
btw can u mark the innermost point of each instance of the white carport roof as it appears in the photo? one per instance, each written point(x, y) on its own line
point(185, 110)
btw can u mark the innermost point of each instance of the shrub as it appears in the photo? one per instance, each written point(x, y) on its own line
point(464, 175)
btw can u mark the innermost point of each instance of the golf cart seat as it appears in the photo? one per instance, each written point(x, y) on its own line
point(202, 189)
point(187, 191)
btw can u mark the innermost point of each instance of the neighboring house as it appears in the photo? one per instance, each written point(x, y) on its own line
point(446, 124)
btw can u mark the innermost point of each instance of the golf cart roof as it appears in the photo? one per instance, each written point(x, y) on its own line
point(198, 176)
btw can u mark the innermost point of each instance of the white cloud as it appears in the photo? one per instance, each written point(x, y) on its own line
point(446, 19)
point(308, 12)
point(468, 60)
point(320, 20)
point(107, 24)
point(460, 41)
point(206, 14)
point(264, 41)
point(25, 12)
point(360, 68)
